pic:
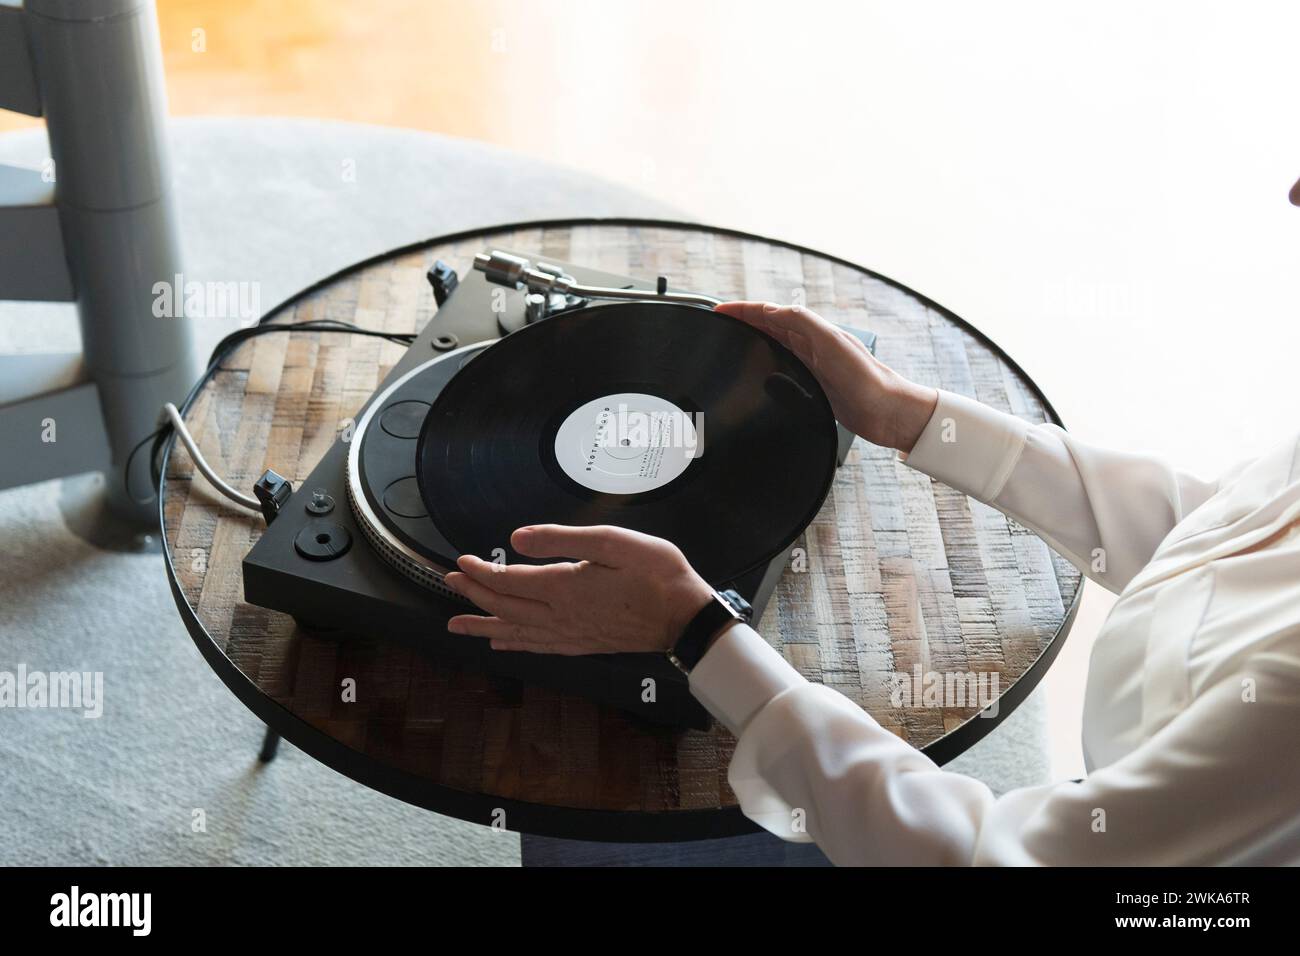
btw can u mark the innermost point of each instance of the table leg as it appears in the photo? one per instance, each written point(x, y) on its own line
point(270, 744)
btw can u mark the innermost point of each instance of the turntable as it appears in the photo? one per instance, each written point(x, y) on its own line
point(511, 407)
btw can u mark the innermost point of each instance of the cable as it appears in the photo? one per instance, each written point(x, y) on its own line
point(175, 417)
point(131, 457)
point(201, 463)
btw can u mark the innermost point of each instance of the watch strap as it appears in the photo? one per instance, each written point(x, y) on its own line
point(724, 608)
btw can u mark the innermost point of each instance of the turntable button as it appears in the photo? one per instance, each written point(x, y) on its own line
point(320, 503)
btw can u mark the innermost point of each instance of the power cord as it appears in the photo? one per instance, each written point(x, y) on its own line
point(174, 417)
point(201, 463)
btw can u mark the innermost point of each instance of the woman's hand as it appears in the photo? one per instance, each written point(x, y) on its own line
point(866, 394)
point(625, 591)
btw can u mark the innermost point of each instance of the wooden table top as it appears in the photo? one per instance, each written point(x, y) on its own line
point(897, 572)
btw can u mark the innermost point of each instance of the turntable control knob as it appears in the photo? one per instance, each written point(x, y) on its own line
point(320, 503)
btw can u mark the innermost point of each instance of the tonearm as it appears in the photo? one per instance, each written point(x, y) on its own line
point(549, 289)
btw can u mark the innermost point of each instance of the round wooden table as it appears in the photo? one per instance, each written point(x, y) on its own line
point(900, 574)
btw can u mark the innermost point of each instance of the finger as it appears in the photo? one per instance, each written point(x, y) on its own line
point(772, 318)
point(757, 314)
point(794, 327)
point(602, 544)
point(798, 321)
point(493, 628)
point(753, 313)
point(515, 609)
point(521, 580)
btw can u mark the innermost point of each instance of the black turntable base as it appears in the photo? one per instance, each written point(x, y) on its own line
point(447, 458)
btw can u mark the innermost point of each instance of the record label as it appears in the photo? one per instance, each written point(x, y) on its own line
point(626, 443)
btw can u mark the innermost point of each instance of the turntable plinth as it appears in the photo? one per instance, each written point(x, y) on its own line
point(898, 574)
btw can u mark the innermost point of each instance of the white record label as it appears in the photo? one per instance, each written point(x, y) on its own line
point(626, 443)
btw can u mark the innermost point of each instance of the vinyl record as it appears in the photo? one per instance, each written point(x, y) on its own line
point(669, 419)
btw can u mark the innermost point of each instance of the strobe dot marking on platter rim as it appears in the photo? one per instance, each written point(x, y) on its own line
point(713, 436)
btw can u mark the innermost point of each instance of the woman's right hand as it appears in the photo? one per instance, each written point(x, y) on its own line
point(866, 394)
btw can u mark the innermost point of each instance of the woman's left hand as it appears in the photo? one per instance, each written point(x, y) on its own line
point(624, 591)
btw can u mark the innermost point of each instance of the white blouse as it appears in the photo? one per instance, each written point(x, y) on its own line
point(1192, 716)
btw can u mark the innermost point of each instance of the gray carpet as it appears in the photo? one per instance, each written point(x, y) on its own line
point(261, 200)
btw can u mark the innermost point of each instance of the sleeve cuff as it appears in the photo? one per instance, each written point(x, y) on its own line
point(738, 675)
point(969, 446)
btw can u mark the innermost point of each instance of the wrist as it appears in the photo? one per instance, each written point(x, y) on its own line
point(690, 597)
point(723, 611)
point(911, 407)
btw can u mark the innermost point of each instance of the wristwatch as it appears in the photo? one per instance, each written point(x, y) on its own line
point(726, 607)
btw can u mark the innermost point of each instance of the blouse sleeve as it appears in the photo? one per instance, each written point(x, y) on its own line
point(1105, 511)
point(810, 765)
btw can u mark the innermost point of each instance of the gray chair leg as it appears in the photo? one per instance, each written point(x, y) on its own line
point(93, 69)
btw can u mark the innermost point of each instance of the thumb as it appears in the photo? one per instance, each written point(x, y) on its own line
point(785, 323)
point(757, 314)
point(602, 544)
